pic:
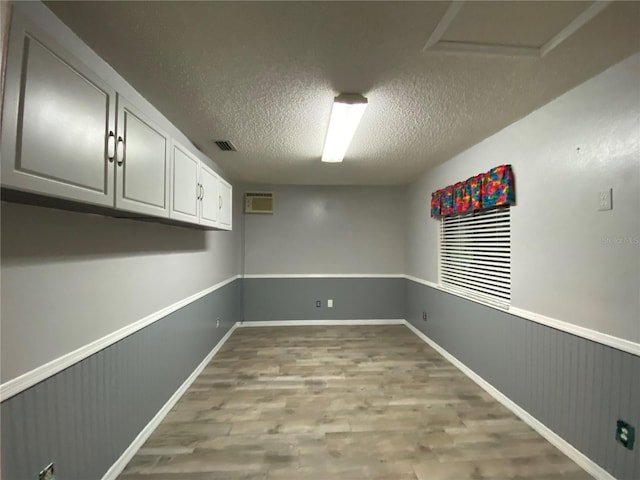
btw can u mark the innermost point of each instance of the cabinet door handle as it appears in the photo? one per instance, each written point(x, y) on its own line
point(201, 192)
point(120, 151)
point(111, 146)
point(198, 191)
point(219, 202)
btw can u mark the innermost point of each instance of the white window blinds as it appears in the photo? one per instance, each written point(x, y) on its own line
point(475, 255)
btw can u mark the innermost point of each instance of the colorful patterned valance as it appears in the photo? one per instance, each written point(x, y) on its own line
point(487, 190)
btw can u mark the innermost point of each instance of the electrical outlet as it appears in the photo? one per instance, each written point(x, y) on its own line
point(217, 322)
point(424, 316)
point(330, 303)
point(48, 473)
point(318, 303)
point(625, 434)
point(604, 200)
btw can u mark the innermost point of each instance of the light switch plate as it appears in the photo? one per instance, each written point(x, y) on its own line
point(330, 303)
point(605, 200)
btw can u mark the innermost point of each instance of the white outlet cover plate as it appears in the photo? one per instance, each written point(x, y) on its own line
point(330, 303)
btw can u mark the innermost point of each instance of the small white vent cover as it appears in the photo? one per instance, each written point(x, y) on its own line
point(258, 202)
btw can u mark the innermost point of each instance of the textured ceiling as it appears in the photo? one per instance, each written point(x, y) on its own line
point(264, 75)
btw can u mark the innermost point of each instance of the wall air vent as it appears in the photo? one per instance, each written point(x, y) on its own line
point(258, 202)
point(225, 145)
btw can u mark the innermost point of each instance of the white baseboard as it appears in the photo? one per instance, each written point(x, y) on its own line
point(120, 464)
point(569, 450)
point(561, 444)
point(308, 323)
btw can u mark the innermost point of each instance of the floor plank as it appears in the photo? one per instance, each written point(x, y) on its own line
point(340, 402)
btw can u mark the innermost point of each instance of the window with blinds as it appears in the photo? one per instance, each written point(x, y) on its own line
point(475, 255)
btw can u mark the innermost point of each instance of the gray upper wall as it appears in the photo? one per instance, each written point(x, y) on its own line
point(569, 261)
point(69, 279)
point(327, 230)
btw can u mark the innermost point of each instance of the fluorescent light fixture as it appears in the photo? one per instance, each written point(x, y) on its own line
point(345, 116)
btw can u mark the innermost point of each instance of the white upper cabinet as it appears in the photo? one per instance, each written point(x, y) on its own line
point(185, 185)
point(225, 213)
point(73, 129)
point(209, 183)
point(197, 192)
point(59, 122)
point(142, 159)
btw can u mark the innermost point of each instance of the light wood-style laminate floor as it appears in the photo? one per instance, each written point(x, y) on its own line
point(340, 402)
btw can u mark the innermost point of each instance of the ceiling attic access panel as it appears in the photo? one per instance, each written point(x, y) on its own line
point(522, 24)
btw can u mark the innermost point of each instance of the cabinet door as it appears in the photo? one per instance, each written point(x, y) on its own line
point(184, 185)
point(225, 212)
point(209, 197)
point(143, 166)
point(57, 119)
